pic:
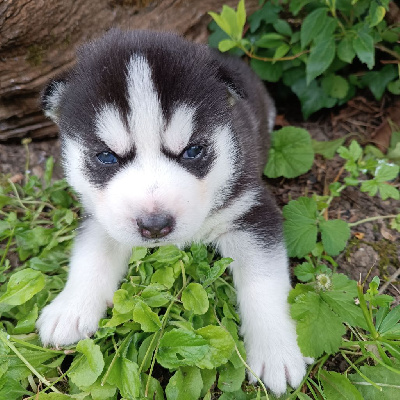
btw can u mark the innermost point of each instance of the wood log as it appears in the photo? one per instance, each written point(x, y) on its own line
point(38, 40)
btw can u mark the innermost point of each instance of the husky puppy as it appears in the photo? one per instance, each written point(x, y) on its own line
point(165, 142)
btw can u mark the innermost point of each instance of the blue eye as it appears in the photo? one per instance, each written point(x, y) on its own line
point(192, 152)
point(106, 157)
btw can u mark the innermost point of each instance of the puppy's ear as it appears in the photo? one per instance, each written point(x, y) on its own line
point(232, 81)
point(51, 97)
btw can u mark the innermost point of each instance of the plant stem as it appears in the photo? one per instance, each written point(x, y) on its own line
point(362, 221)
point(16, 193)
point(388, 51)
point(240, 356)
point(364, 308)
point(164, 323)
point(252, 55)
point(33, 346)
point(41, 378)
point(360, 373)
point(7, 248)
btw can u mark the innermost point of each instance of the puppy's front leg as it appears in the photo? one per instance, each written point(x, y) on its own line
point(261, 278)
point(96, 267)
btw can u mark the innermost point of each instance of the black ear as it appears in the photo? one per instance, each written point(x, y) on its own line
point(232, 80)
point(51, 97)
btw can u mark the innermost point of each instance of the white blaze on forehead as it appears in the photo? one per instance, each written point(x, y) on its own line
point(145, 119)
point(179, 130)
point(112, 131)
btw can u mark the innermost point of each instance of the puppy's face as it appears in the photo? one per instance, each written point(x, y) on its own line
point(147, 140)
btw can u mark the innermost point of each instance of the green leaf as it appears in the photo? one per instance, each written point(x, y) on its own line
point(352, 155)
point(118, 319)
point(270, 40)
point(125, 375)
point(180, 347)
point(221, 22)
point(337, 386)
point(154, 296)
point(320, 58)
point(327, 31)
point(378, 80)
point(228, 14)
point(166, 255)
point(376, 14)
point(281, 51)
point(86, 369)
point(195, 299)
point(335, 86)
point(185, 384)
point(394, 87)
point(22, 286)
point(390, 320)
point(386, 171)
point(164, 276)
point(345, 50)
point(282, 27)
point(312, 26)
point(221, 346)
point(363, 45)
point(341, 300)
point(291, 153)
point(100, 392)
point(386, 379)
point(138, 253)
point(26, 324)
point(216, 271)
point(312, 96)
point(226, 45)
point(208, 376)
point(11, 389)
point(305, 272)
point(123, 302)
point(48, 171)
point(318, 328)
point(300, 226)
point(327, 148)
point(266, 70)
point(334, 233)
point(148, 319)
point(302, 396)
point(295, 6)
point(386, 191)
point(230, 379)
point(241, 15)
point(268, 14)
point(155, 391)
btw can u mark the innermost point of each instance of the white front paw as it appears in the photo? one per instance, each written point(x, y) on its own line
point(67, 320)
point(277, 362)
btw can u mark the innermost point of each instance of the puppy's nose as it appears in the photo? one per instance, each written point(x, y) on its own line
point(153, 226)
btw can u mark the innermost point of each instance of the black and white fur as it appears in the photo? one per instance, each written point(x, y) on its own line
point(146, 98)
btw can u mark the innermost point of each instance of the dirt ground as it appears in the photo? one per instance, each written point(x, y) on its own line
point(373, 248)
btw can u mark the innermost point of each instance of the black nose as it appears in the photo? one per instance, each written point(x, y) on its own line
point(153, 226)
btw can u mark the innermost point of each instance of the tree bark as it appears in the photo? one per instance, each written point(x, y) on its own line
point(38, 40)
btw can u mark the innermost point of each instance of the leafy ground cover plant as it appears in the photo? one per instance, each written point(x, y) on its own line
point(173, 331)
point(323, 50)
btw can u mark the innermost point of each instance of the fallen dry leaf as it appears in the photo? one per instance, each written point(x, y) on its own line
point(17, 178)
point(383, 133)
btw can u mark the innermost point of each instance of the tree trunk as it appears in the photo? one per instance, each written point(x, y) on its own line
point(38, 40)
